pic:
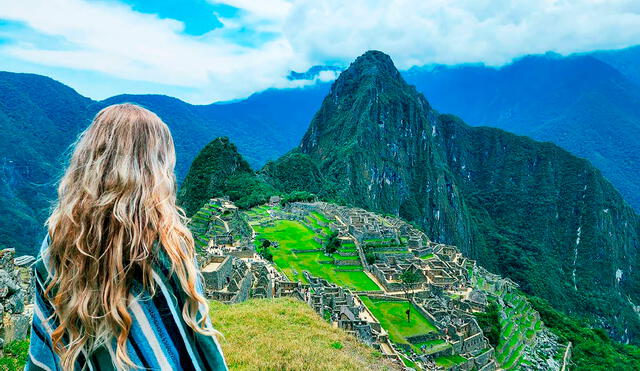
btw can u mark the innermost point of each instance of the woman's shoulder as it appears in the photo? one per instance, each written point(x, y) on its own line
point(41, 267)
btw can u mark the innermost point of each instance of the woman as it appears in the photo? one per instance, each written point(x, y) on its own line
point(117, 285)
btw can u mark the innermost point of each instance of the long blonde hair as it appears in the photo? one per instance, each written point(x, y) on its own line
point(115, 201)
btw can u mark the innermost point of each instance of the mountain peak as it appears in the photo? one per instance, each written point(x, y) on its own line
point(371, 74)
point(374, 105)
point(372, 63)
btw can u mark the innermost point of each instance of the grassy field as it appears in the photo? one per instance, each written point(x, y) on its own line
point(431, 346)
point(449, 361)
point(393, 318)
point(292, 235)
point(286, 334)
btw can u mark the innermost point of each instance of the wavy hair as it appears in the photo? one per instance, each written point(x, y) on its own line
point(116, 200)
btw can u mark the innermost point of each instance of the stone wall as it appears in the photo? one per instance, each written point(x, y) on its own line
point(491, 366)
point(484, 358)
point(244, 289)
point(15, 288)
point(349, 262)
point(217, 279)
point(422, 338)
point(429, 316)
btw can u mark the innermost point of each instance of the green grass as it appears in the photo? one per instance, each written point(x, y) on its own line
point(340, 257)
point(426, 257)
point(15, 355)
point(450, 361)
point(286, 334)
point(431, 346)
point(393, 318)
point(293, 235)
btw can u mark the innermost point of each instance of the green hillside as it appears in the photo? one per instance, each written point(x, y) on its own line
point(286, 334)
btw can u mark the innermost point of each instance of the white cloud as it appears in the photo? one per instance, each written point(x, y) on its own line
point(458, 31)
point(114, 40)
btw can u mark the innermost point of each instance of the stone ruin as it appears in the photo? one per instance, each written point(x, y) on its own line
point(230, 279)
point(16, 294)
point(447, 292)
point(340, 306)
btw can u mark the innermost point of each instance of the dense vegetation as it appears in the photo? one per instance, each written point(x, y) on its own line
point(489, 322)
point(39, 119)
point(586, 104)
point(15, 355)
point(219, 170)
point(592, 348)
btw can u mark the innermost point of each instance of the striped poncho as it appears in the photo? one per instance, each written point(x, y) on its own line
point(159, 338)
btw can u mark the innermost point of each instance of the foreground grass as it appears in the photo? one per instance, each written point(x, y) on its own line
point(15, 355)
point(286, 334)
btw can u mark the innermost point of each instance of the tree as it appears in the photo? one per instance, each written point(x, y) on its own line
point(489, 322)
point(333, 243)
point(371, 258)
point(267, 255)
point(409, 279)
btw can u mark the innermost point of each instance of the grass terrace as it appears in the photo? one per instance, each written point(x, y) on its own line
point(204, 225)
point(518, 328)
point(317, 220)
point(293, 235)
point(450, 361)
point(392, 316)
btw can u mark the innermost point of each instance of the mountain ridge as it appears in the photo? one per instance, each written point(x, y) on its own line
point(581, 103)
point(53, 115)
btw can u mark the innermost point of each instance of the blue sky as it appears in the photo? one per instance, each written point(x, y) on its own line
point(207, 50)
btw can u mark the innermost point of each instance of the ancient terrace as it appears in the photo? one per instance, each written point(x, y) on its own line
point(352, 266)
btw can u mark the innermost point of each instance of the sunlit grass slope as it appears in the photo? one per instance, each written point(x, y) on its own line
point(286, 334)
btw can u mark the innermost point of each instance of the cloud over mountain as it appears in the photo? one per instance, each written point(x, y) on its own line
point(111, 46)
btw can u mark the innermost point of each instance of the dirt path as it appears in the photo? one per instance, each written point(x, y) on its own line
point(226, 225)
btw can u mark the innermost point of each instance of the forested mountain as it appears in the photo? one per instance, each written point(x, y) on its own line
point(627, 61)
point(580, 103)
point(525, 209)
point(219, 170)
point(580, 100)
point(40, 118)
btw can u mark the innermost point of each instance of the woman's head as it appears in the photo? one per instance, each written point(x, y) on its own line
point(116, 199)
